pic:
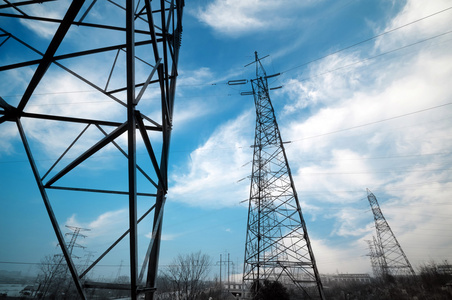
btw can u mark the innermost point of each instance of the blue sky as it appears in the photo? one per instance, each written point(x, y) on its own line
point(377, 115)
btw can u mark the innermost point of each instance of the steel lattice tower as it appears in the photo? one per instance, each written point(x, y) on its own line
point(277, 242)
point(388, 252)
point(375, 257)
point(117, 50)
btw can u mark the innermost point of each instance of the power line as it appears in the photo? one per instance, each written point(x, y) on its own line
point(303, 64)
point(370, 123)
point(366, 40)
point(288, 70)
point(376, 56)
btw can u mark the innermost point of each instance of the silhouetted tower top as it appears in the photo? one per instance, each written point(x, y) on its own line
point(277, 242)
point(392, 258)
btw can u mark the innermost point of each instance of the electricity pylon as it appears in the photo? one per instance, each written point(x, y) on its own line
point(59, 272)
point(108, 53)
point(277, 243)
point(391, 258)
point(375, 257)
point(74, 236)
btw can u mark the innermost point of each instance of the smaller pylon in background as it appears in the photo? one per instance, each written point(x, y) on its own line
point(392, 259)
point(74, 236)
point(375, 257)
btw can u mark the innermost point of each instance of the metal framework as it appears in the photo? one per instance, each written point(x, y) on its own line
point(127, 50)
point(277, 242)
point(388, 254)
point(375, 257)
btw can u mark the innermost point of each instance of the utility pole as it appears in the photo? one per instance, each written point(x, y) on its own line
point(221, 263)
point(277, 245)
point(229, 282)
point(392, 259)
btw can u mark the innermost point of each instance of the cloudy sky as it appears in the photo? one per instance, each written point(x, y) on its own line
point(366, 102)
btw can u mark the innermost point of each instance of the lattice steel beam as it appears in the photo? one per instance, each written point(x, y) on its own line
point(157, 30)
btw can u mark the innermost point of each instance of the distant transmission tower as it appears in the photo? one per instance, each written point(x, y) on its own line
point(392, 259)
point(74, 236)
point(59, 272)
point(375, 257)
point(277, 242)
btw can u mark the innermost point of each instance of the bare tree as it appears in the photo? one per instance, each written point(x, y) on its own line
point(186, 275)
point(52, 275)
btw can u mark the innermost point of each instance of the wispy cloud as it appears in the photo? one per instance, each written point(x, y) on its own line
point(415, 10)
point(55, 10)
point(7, 136)
point(215, 168)
point(384, 125)
point(235, 17)
point(164, 237)
point(105, 225)
point(340, 258)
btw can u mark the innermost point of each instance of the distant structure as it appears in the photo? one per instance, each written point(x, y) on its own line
point(277, 243)
point(55, 276)
point(75, 234)
point(345, 279)
point(386, 254)
point(113, 51)
point(375, 257)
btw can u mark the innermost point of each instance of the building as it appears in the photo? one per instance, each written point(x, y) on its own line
point(345, 278)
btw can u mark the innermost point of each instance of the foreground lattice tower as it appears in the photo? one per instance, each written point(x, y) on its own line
point(108, 53)
point(391, 258)
point(277, 242)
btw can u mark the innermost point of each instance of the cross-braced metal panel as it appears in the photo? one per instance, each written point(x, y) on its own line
point(277, 242)
point(95, 78)
point(392, 259)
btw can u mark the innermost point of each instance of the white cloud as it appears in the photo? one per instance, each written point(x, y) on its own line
point(341, 258)
point(68, 97)
point(188, 108)
point(164, 237)
point(399, 89)
point(325, 84)
point(106, 225)
point(195, 77)
point(335, 154)
point(215, 168)
point(412, 11)
point(7, 134)
point(187, 111)
point(235, 17)
point(54, 11)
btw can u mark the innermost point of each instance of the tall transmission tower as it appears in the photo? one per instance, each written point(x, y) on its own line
point(277, 243)
point(113, 52)
point(388, 252)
